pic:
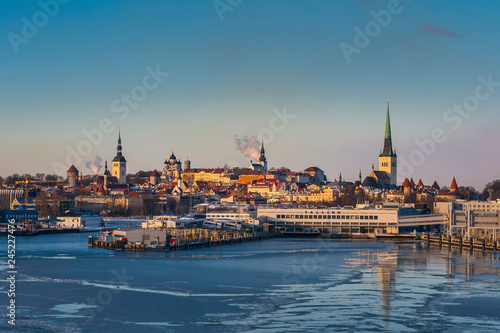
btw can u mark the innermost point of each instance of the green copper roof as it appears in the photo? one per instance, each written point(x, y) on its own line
point(388, 123)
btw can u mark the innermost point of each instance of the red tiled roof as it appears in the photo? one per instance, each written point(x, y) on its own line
point(312, 168)
point(72, 169)
point(406, 183)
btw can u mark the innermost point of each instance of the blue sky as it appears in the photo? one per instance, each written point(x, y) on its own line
point(225, 78)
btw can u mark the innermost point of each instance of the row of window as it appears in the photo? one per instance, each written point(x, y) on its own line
point(484, 206)
point(420, 222)
point(338, 223)
point(328, 217)
point(495, 223)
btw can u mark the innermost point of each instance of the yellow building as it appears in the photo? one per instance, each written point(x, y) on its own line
point(247, 176)
point(217, 175)
point(326, 195)
point(267, 188)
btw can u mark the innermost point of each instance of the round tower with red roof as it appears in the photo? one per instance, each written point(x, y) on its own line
point(72, 174)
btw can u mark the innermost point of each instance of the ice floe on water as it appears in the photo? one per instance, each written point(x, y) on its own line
point(72, 308)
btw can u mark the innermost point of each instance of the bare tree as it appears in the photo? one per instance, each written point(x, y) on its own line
point(171, 204)
point(493, 185)
point(41, 204)
point(466, 192)
point(51, 177)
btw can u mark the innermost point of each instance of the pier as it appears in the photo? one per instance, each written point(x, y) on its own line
point(178, 239)
point(462, 242)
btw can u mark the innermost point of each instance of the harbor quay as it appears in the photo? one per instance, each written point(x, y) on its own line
point(147, 239)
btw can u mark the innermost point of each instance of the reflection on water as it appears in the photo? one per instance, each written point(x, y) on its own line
point(459, 268)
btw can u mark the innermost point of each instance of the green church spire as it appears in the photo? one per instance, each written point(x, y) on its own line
point(388, 123)
point(387, 151)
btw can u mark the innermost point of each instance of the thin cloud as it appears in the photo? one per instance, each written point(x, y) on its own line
point(433, 30)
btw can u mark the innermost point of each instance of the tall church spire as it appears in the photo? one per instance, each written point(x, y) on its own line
point(388, 151)
point(119, 155)
point(119, 163)
point(262, 158)
point(262, 153)
point(119, 148)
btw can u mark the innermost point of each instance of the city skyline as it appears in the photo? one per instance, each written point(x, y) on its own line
point(209, 75)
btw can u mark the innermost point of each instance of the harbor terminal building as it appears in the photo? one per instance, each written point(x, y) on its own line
point(382, 218)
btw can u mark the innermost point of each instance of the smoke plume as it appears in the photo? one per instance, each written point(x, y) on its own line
point(96, 165)
point(248, 146)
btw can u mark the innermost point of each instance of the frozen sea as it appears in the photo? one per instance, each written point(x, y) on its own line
point(277, 285)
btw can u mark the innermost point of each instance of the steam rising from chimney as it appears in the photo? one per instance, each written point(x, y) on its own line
point(96, 165)
point(248, 145)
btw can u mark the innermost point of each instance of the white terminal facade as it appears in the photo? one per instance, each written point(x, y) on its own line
point(383, 218)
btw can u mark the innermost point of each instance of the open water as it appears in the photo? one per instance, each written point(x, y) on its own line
point(277, 285)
